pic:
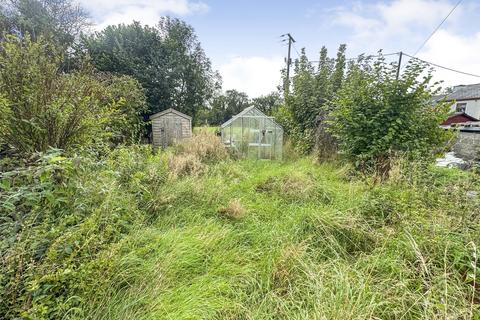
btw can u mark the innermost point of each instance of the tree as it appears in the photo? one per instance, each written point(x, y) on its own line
point(303, 105)
point(126, 122)
point(331, 73)
point(324, 86)
point(42, 107)
point(305, 114)
point(224, 106)
point(167, 60)
point(339, 69)
point(269, 103)
point(375, 117)
point(235, 102)
point(59, 20)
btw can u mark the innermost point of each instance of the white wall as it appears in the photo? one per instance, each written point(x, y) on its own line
point(473, 107)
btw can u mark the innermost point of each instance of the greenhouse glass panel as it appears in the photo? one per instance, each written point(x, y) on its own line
point(252, 134)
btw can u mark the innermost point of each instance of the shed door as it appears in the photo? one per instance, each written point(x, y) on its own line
point(177, 129)
point(169, 127)
point(173, 130)
point(164, 133)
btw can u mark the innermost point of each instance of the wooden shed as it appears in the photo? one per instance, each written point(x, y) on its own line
point(169, 126)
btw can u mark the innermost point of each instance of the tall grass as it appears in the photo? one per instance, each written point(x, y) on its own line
point(334, 249)
point(258, 240)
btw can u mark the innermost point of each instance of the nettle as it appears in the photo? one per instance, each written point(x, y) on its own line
point(376, 117)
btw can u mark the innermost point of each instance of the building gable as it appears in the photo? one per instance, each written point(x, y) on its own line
point(168, 111)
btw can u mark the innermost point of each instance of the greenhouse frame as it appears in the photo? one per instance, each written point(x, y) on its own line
point(252, 134)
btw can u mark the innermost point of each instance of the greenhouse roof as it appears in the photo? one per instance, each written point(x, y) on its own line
point(250, 112)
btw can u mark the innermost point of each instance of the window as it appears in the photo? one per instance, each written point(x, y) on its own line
point(461, 107)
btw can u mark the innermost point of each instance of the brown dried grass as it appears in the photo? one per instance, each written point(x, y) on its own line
point(285, 272)
point(234, 210)
point(191, 156)
point(185, 164)
point(206, 146)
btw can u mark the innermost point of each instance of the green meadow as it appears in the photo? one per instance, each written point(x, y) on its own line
point(241, 239)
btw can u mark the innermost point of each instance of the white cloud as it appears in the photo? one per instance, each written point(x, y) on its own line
point(404, 25)
point(454, 51)
point(106, 12)
point(392, 23)
point(254, 75)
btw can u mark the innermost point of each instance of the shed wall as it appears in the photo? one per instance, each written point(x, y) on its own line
point(169, 128)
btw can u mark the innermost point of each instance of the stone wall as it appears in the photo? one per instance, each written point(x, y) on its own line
point(467, 146)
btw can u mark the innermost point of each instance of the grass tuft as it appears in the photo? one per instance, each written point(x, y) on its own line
point(234, 210)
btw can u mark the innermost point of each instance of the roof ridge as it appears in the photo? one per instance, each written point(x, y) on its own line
point(241, 113)
point(161, 113)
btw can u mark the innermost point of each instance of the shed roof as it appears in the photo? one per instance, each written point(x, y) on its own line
point(250, 111)
point(170, 110)
point(462, 92)
point(459, 117)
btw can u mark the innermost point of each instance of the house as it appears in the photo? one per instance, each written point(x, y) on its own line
point(252, 134)
point(465, 103)
point(169, 126)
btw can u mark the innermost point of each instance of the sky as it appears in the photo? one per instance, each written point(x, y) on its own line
point(242, 38)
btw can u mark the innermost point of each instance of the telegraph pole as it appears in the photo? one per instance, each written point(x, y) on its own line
point(289, 61)
point(399, 64)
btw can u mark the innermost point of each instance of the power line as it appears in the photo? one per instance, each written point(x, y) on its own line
point(291, 43)
point(437, 28)
point(413, 57)
point(294, 47)
point(442, 67)
point(366, 57)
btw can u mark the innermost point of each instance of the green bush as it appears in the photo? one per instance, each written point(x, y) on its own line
point(126, 122)
point(43, 107)
point(376, 117)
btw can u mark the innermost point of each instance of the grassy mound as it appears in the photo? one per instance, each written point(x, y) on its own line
point(124, 238)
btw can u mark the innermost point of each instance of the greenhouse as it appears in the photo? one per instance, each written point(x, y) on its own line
point(252, 134)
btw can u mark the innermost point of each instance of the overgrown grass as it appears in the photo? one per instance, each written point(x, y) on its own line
point(259, 240)
point(208, 129)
